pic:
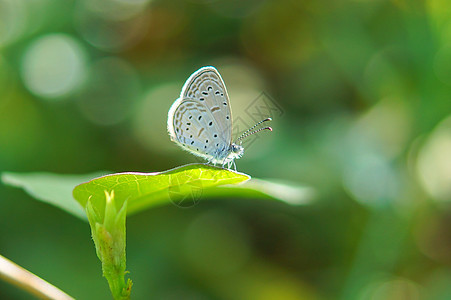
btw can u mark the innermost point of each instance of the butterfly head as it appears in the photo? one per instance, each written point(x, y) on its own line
point(236, 151)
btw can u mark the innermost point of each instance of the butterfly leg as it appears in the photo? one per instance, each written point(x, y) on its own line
point(232, 163)
point(210, 162)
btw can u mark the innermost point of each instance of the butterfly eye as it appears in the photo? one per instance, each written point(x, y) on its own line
point(211, 123)
point(200, 117)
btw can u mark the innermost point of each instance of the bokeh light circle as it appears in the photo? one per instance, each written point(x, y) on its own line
point(54, 65)
point(110, 92)
point(150, 118)
point(442, 64)
point(12, 20)
point(434, 162)
point(118, 10)
point(111, 25)
point(391, 288)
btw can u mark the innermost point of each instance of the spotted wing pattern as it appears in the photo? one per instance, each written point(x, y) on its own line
point(191, 125)
point(206, 86)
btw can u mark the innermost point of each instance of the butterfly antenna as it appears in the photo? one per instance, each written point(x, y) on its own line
point(245, 134)
point(251, 133)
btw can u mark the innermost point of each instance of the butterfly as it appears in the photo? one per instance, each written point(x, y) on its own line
point(200, 120)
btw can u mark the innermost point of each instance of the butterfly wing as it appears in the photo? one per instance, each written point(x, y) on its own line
point(191, 126)
point(206, 86)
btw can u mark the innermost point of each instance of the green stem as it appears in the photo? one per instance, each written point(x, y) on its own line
point(116, 281)
point(108, 233)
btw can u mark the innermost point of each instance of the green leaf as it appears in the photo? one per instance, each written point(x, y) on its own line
point(272, 189)
point(54, 189)
point(143, 190)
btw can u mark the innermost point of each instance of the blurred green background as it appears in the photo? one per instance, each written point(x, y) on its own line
point(364, 88)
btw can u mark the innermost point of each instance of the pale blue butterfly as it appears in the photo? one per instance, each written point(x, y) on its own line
point(200, 121)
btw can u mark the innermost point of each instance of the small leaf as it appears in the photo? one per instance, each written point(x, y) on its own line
point(143, 190)
point(55, 189)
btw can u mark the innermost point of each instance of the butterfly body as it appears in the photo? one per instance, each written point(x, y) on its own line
point(200, 120)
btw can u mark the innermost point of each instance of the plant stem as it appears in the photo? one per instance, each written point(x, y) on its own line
point(29, 282)
point(108, 232)
point(116, 281)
